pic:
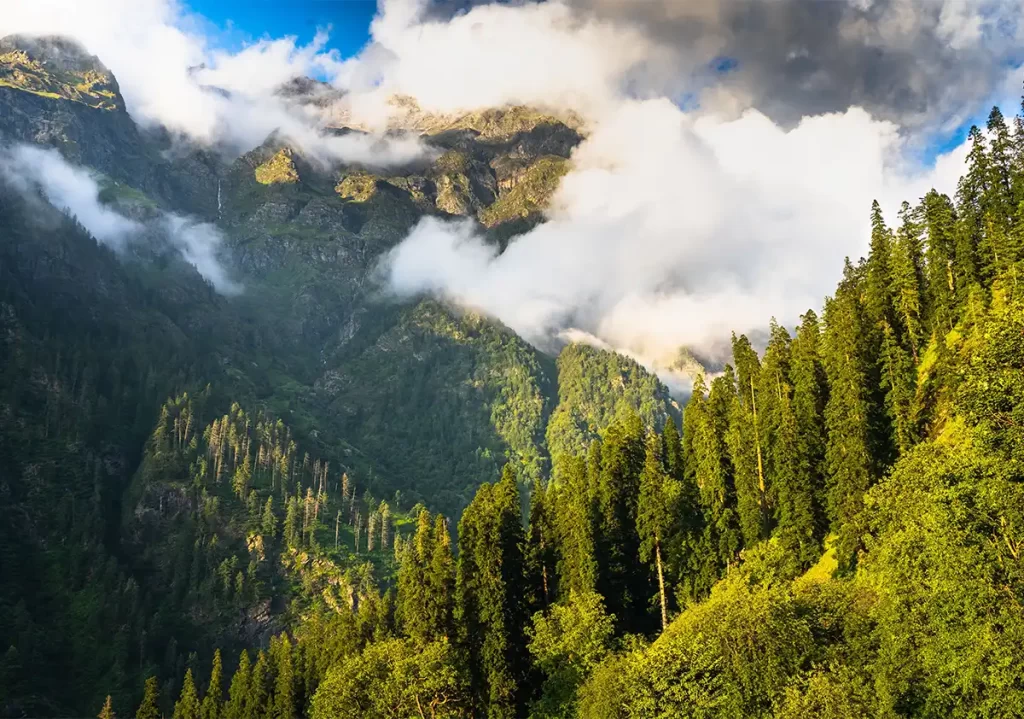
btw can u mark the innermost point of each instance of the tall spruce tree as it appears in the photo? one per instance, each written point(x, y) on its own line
point(541, 550)
point(788, 468)
point(908, 280)
point(574, 520)
point(746, 444)
point(847, 454)
point(238, 694)
point(622, 579)
point(107, 712)
point(213, 700)
point(940, 247)
point(187, 706)
point(810, 395)
point(440, 583)
point(149, 708)
point(284, 704)
point(491, 608)
point(657, 516)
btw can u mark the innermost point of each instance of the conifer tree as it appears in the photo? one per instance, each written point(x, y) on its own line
point(622, 579)
point(540, 549)
point(847, 454)
point(238, 694)
point(972, 190)
point(672, 449)
point(187, 706)
point(256, 706)
point(269, 520)
point(212, 704)
point(878, 297)
point(291, 523)
point(810, 394)
point(1001, 200)
point(440, 583)
point(940, 234)
point(657, 515)
point(898, 375)
point(283, 706)
point(107, 712)
point(575, 518)
point(150, 706)
point(491, 609)
point(788, 468)
point(908, 280)
point(413, 613)
point(746, 445)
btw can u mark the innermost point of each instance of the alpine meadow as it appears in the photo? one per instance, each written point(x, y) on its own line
point(564, 359)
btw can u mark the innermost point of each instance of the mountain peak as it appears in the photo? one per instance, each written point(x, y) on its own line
point(58, 68)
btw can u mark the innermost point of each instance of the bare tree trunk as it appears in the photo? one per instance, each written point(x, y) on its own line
point(661, 586)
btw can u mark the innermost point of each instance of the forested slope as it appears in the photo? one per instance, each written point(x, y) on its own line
point(837, 531)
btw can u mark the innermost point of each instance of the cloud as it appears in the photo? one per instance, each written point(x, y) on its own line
point(676, 229)
point(919, 63)
point(199, 243)
point(172, 75)
point(67, 188)
point(75, 190)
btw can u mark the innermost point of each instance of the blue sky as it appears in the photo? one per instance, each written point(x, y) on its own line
point(247, 20)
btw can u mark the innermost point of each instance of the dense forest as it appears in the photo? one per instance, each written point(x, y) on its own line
point(234, 508)
point(836, 531)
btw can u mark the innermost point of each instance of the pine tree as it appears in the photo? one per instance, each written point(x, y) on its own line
point(256, 706)
point(440, 583)
point(657, 515)
point(810, 395)
point(575, 519)
point(238, 694)
point(878, 297)
point(672, 447)
point(107, 712)
point(746, 445)
point(848, 456)
point(291, 523)
point(283, 706)
point(187, 706)
point(212, 704)
point(788, 467)
point(269, 521)
point(908, 280)
point(540, 549)
point(150, 706)
point(898, 376)
point(940, 234)
point(491, 609)
point(622, 580)
point(426, 582)
point(1000, 202)
point(972, 190)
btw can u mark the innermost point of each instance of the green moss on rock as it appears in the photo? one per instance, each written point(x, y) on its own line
point(357, 187)
point(279, 169)
point(530, 194)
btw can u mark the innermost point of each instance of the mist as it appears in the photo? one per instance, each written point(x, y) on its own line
point(36, 172)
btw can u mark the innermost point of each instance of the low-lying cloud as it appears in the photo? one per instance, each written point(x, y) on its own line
point(34, 171)
point(68, 188)
point(673, 229)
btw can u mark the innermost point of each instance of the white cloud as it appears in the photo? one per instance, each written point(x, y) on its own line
point(674, 229)
point(67, 188)
point(75, 190)
point(170, 75)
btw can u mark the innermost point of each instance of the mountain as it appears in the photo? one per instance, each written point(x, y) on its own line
point(241, 481)
point(122, 372)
